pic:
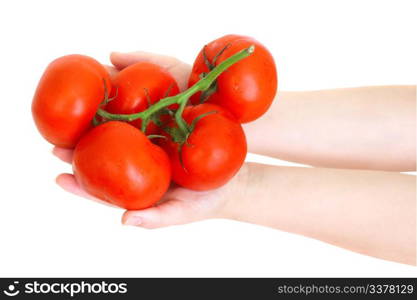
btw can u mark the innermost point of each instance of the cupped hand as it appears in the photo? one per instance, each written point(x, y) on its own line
point(179, 205)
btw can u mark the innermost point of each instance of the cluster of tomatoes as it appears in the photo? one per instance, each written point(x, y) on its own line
point(197, 142)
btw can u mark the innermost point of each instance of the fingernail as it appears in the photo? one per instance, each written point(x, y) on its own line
point(133, 221)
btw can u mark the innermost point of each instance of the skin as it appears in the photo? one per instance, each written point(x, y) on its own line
point(370, 128)
point(371, 211)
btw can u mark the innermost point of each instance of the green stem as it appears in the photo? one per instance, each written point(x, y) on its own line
point(182, 98)
point(141, 115)
point(179, 119)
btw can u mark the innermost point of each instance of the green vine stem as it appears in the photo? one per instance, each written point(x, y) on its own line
point(181, 98)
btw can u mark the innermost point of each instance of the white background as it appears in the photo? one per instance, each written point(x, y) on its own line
point(45, 231)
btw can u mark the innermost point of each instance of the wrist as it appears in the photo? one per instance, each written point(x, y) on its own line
point(260, 194)
point(236, 194)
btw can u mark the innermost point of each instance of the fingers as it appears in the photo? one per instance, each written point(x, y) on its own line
point(178, 69)
point(176, 209)
point(112, 70)
point(165, 214)
point(69, 184)
point(63, 154)
point(179, 206)
point(122, 60)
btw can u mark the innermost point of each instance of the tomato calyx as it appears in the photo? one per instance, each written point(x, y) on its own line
point(207, 93)
point(180, 137)
point(156, 136)
point(104, 102)
point(210, 65)
point(107, 99)
point(168, 91)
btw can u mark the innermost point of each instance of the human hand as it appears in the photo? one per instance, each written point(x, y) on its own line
point(178, 69)
point(179, 205)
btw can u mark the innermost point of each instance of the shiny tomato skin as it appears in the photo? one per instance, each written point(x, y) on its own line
point(67, 98)
point(199, 65)
point(132, 85)
point(213, 153)
point(116, 162)
point(247, 88)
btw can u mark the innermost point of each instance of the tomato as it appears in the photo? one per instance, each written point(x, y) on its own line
point(67, 98)
point(137, 82)
point(247, 88)
point(213, 152)
point(117, 163)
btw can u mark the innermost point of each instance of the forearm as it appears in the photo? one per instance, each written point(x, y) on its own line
point(369, 212)
point(362, 128)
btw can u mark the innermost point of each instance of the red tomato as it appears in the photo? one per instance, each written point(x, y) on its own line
point(67, 98)
point(247, 88)
point(134, 84)
point(117, 163)
point(213, 153)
